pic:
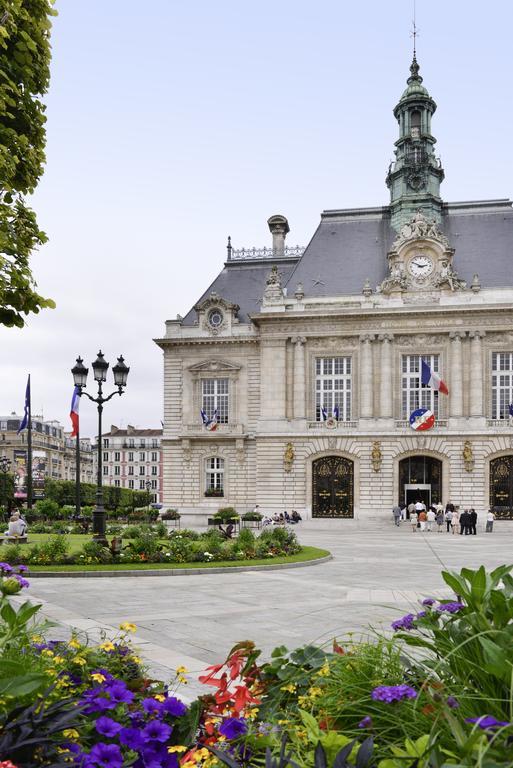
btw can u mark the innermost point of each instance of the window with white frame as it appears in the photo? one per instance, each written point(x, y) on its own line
point(105, 456)
point(154, 470)
point(333, 387)
point(154, 456)
point(105, 470)
point(131, 442)
point(117, 469)
point(141, 485)
point(154, 443)
point(142, 443)
point(502, 384)
point(214, 468)
point(415, 394)
point(214, 397)
point(142, 456)
point(131, 456)
point(105, 442)
point(130, 470)
point(142, 470)
point(154, 485)
point(117, 456)
point(131, 484)
point(117, 483)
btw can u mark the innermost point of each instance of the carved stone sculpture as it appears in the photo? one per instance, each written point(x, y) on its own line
point(376, 456)
point(288, 457)
point(448, 276)
point(273, 292)
point(468, 456)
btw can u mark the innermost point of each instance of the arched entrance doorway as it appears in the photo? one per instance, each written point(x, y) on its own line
point(332, 487)
point(501, 487)
point(420, 478)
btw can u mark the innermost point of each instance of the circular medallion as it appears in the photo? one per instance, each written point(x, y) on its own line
point(416, 181)
point(422, 419)
point(421, 265)
point(215, 318)
point(331, 422)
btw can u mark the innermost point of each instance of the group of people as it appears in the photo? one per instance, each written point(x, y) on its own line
point(17, 526)
point(282, 518)
point(419, 516)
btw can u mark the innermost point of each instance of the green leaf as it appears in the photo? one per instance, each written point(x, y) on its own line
point(22, 685)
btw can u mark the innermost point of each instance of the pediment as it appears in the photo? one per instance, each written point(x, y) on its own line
point(214, 366)
point(215, 300)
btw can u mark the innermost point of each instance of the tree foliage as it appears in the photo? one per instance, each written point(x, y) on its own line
point(24, 78)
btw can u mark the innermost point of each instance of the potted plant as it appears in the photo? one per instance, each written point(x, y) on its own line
point(214, 492)
point(223, 516)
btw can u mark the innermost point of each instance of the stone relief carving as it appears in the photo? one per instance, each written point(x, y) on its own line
point(419, 340)
point(273, 292)
point(396, 281)
point(376, 456)
point(288, 457)
point(468, 456)
point(420, 227)
point(448, 276)
point(422, 298)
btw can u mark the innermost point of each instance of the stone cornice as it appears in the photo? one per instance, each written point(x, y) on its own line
point(203, 340)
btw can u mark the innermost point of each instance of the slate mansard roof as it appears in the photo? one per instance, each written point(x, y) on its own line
point(351, 246)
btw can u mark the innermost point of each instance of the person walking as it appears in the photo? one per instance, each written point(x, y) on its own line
point(430, 517)
point(455, 522)
point(472, 522)
point(464, 522)
point(411, 509)
point(440, 520)
point(413, 521)
point(448, 520)
point(490, 517)
point(397, 514)
point(422, 520)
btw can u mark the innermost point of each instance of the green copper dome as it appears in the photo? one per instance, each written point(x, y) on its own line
point(415, 87)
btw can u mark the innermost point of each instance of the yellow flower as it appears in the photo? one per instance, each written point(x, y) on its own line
point(51, 672)
point(314, 691)
point(79, 660)
point(182, 679)
point(135, 659)
point(73, 643)
point(108, 646)
point(324, 670)
point(181, 670)
point(98, 677)
point(59, 660)
point(159, 697)
point(128, 627)
point(36, 638)
point(189, 764)
point(70, 733)
point(251, 713)
point(291, 687)
point(177, 748)
point(47, 652)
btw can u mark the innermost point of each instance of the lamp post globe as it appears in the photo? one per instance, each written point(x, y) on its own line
point(79, 372)
point(120, 371)
point(100, 368)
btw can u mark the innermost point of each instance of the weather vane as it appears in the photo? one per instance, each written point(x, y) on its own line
point(415, 31)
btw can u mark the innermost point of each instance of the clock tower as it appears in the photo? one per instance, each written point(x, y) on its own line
point(415, 176)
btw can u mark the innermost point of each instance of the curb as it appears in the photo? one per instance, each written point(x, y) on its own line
point(175, 571)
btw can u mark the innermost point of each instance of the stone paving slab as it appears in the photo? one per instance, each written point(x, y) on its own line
point(375, 576)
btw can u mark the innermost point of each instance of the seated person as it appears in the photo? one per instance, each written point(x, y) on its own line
point(287, 517)
point(296, 517)
point(17, 526)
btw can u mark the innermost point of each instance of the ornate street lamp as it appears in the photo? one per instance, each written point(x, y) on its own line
point(100, 368)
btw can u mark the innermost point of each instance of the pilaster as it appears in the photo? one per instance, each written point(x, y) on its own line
point(385, 390)
point(366, 377)
point(476, 373)
point(456, 382)
point(299, 377)
point(273, 379)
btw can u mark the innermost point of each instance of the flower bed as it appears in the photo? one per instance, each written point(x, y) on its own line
point(365, 704)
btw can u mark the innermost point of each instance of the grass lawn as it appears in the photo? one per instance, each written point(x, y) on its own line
point(307, 553)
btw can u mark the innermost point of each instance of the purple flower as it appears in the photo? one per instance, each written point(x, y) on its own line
point(119, 693)
point(421, 614)
point(156, 731)
point(366, 722)
point(157, 756)
point(131, 738)
point(487, 722)
point(106, 755)
point(173, 706)
point(453, 607)
point(22, 569)
point(107, 727)
point(405, 623)
point(24, 584)
point(428, 601)
point(391, 693)
point(5, 568)
point(150, 706)
point(233, 727)
point(452, 702)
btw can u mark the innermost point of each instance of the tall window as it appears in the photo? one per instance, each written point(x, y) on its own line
point(131, 442)
point(142, 456)
point(154, 443)
point(131, 456)
point(154, 470)
point(117, 483)
point(117, 469)
point(215, 398)
point(105, 442)
point(414, 394)
point(154, 485)
point(105, 456)
point(117, 456)
point(215, 474)
point(142, 470)
point(131, 484)
point(502, 384)
point(142, 485)
point(130, 470)
point(105, 470)
point(154, 456)
point(333, 387)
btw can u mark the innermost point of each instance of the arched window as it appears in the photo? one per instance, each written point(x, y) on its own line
point(214, 476)
point(415, 124)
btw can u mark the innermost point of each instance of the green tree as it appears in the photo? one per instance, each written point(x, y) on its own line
point(24, 78)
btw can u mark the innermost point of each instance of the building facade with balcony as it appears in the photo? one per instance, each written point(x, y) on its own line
point(53, 450)
point(307, 365)
point(131, 458)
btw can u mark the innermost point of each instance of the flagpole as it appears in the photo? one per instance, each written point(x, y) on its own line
point(29, 449)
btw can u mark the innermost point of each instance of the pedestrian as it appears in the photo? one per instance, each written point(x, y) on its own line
point(490, 517)
point(422, 520)
point(439, 507)
point(430, 517)
point(448, 519)
point(455, 522)
point(464, 522)
point(413, 521)
point(411, 509)
point(440, 520)
point(397, 514)
point(404, 512)
point(472, 522)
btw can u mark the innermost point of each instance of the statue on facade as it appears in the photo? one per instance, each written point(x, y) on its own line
point(417, 228)
point(395, 281)
point(376, 456)
point(449, 277)
point(288, 457)
point(468, 456)
point(273, 291)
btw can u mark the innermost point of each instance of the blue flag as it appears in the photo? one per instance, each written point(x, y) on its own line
point(511, 409)
point(24, 421)
point(336, 412)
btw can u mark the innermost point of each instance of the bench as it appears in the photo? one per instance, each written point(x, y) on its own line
point(13, 539)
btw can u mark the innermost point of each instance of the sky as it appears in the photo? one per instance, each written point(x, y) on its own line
point(172, 125)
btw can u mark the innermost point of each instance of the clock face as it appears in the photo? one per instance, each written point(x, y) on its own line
point(421, 266)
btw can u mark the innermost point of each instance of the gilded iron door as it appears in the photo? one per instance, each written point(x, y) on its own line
point(332, 487)
point(501, 487)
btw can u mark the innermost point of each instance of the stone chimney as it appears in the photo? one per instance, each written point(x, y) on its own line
point(279, 227)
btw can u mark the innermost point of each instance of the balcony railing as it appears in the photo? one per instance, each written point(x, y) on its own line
point(500, 423)
point(332, 426)
point(249, 254)
point(404, 423)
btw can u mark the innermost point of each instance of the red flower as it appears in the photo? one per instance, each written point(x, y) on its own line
point(338, 648)
point(7, 764)
point(210, 679)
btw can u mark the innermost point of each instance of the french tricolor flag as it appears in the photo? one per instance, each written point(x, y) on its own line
point(432, 379)
point(75, 402)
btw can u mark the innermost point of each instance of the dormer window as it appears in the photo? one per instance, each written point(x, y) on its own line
point(215, 318)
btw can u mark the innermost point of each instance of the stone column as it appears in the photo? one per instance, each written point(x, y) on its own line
point(456, 382)
point(366, 378)
point(299, 385)
point(385, 378)
point(476, 373)
point(272, 379)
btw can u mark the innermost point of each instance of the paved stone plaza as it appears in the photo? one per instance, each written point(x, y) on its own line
point(193, 620)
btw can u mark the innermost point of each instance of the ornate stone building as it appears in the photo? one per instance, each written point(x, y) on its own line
point(309, 362)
